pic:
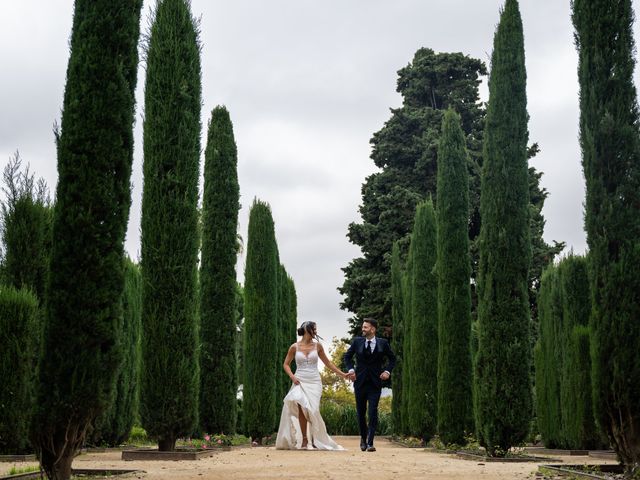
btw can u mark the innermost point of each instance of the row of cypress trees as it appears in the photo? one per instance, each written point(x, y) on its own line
point(437, 375)
point(562, 358)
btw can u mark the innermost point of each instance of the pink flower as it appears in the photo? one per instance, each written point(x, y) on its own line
point(207, 438)
point(219, 441)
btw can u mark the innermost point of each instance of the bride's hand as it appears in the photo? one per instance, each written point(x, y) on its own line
point(295, 381)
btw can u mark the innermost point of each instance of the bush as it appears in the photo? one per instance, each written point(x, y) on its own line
point(19, 332)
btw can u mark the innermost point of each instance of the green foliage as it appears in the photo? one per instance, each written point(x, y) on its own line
point(398, 340)
point(341, 418)
point(81, 352)
point(610, 144)
point(407, 324)
point(563, 363)
point(286, 332)
point(454, 406)
point(26, 229)
point(19, 341)
point(114, 425)
point(423, 360)
point(405, 150)
point(548, 359)
point(260, 325)
point(218, 332)
point(169, 240)
point(502, 381)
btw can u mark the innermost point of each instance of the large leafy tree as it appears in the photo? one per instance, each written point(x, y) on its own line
point(611, 162)
point(218, 333)
point(81, 354)
point(455, 412)
point(405, 150)
point(260, 324)
point(502, 381)
point(169, 242)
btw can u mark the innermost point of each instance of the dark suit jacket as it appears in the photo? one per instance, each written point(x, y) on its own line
point(368, 367)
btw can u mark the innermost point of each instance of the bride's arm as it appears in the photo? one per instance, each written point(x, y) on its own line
point(328, 362)
point(287, 364)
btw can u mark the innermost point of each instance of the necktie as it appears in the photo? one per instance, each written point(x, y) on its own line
point(368, 346)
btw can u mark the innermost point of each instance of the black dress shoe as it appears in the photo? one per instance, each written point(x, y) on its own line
point(371, 448)
point(363, 445)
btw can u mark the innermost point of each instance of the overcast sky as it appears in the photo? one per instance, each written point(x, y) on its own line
point(307, 83)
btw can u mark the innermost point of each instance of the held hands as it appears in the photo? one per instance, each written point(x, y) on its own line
point(384, 376)
point(350, 376)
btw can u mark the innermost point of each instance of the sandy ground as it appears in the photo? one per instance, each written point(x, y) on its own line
point(389, 462)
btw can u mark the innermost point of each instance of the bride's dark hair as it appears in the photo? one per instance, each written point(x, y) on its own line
point(308, 327)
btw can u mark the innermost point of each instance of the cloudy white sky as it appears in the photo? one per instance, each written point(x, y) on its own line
point(307, 83)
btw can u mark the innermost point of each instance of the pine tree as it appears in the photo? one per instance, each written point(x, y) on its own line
point(455, 411)
point(503, 384)
point(260, 325)
point(169, 241)
point(611, 162)
point(423, 360)
point(19, 340)
point(398, 339)
point(221, 202)
point(81, 353)
point(114, 426)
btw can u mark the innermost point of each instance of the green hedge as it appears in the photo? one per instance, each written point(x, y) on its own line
point(342, 419)
point(19, 336)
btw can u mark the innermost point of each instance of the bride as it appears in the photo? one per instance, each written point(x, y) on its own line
point(301, 425)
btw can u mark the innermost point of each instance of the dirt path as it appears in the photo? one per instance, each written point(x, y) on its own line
point(389, 462)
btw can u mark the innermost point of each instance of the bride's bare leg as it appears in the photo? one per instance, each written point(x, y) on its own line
point(303, 427)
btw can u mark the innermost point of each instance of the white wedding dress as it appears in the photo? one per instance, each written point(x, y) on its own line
point(307, 394)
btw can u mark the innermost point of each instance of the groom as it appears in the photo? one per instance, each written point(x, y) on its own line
point(368, 375)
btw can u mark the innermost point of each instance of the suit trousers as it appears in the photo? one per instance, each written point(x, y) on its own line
point(367, 394)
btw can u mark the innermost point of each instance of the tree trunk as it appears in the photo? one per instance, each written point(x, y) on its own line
point(167, 444)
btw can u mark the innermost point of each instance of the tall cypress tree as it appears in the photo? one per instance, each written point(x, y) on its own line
point(423, 359)
point(260, 324)
point(170, 380)
point(407, 323)
point(611, 162)
point(220, 205)
point(455, 412)
point(548, 359)
point(398, 339)
point(287, 333)
point(81, 351)
point(503, 384)
point(114, 425)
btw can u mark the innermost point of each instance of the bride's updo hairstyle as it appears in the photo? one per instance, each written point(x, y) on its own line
point(308, 327)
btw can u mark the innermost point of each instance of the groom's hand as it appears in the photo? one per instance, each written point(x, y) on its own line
point(384, 376)
point(351, 376)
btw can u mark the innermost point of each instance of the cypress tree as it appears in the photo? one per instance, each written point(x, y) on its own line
point(26, 229)
point(455, 409)
point(19, 334)
point(114, 426)
point(398, 339)
point(260, 325)
point(611, 162)
point(578, 422)
point(221, 202)
point(503, 384)
point(407, 323)
point(81, 353)
point(548, 359)
point(423, 362)
point(287, 333)
point(169, 242)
